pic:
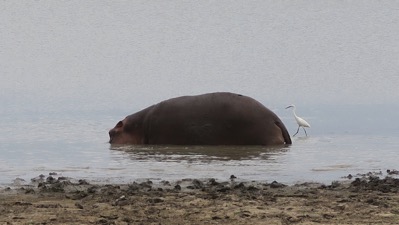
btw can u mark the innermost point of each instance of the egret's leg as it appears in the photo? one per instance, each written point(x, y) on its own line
point(296, 132)
point(305, 131)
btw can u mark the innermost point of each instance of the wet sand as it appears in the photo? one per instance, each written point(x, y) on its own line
point(366, 199)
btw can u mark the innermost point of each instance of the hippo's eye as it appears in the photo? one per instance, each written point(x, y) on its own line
point(120, 124)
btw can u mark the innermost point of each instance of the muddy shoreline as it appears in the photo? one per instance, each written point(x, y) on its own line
point(367, 199)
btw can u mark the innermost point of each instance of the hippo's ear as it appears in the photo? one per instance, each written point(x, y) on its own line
point(119, 124)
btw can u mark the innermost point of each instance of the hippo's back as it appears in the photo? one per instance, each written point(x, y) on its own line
point(214, 119)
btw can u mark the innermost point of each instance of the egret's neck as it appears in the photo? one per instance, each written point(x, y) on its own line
point(293, 110)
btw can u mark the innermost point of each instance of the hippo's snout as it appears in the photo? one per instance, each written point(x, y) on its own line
point(112, 134)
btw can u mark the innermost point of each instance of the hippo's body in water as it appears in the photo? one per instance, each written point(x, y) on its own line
point(208, 119)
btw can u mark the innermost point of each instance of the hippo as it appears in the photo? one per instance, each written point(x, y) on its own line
point(220, 118)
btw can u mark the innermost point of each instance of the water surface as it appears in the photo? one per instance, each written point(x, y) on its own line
point(78, 148)
point(70, 70)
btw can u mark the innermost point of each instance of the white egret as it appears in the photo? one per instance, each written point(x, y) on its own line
point(301, 122)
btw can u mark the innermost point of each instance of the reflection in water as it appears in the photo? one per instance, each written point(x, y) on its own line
point(305, 138)
point(176, 162)
point(170, 152)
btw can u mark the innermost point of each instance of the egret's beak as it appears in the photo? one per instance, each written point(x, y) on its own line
point(288, 106)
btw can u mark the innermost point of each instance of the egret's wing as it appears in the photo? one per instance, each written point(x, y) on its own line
point(303, 122)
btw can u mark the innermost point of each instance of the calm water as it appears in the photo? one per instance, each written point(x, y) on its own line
point(70, 70)
point(76, 146)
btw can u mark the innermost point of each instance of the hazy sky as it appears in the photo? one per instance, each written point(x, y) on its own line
point(110, 53)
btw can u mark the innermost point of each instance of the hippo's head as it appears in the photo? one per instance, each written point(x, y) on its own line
point(125, 132)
